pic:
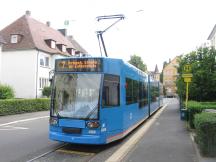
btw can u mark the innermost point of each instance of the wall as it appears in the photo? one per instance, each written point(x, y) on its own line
point(169, 77)
point(43, 71)
point(19, 71)
point(0, 63)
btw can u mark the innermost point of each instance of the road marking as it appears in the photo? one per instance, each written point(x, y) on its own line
point(125, 148)
point(75, 152)
point(12, 128)
point(23, 120)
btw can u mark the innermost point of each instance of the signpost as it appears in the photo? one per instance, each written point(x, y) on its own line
point(187, 75)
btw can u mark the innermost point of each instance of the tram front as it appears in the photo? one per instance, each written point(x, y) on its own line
point(75, 100)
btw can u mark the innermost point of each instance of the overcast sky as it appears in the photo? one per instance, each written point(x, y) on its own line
point(156, 30)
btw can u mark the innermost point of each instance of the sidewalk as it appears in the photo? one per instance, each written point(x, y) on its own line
point(166, 141)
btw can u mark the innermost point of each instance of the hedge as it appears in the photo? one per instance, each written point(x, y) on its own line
point(17, 106)
point(197, 107)
point(6, 92)
point(205, 124)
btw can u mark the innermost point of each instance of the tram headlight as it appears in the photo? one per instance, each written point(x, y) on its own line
point(53, 121)
point(93, 124)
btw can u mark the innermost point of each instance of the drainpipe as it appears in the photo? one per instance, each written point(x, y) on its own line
point(36, 96)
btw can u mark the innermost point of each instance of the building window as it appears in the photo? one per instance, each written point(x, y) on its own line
point(44, 82)
point(14, 38)
point(44, 61)
point(47, 61)
point(53, 44)
point(63, 48)
point(41, 62)
point(111, 91)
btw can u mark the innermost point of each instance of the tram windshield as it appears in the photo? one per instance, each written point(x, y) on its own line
point(76, 96)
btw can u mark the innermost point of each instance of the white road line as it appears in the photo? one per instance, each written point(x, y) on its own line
point(12, 128)
point(125, 148)
point(23, 120)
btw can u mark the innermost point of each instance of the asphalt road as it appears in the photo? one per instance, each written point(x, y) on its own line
point(24, 136)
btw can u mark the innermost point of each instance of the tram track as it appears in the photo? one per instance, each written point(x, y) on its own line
point(46, 153)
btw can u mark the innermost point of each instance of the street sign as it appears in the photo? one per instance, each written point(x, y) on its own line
point(187, 80)
point(189, 75)
point(187, 68)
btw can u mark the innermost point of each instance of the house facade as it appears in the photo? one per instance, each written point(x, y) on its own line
point(170, 74)
point(29, 55)
point(1, 43)
point(212, 37)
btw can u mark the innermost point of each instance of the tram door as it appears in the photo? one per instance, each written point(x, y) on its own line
point(111, 112)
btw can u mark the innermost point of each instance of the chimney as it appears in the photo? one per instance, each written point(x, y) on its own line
point(70, 37)
point(28, 13)
point(63, 32)
point(48, 23)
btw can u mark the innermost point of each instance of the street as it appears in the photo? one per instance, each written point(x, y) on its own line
point(24, 136)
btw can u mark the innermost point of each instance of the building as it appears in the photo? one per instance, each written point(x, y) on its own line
point(1, 43)
point(212, 37)
point(29, 55)
point(170, 74)
point(155, 74)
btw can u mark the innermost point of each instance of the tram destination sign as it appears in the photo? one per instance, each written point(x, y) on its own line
point(79, 65)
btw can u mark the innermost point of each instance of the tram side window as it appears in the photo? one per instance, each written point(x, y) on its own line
point(142, 94)
point(132, 91)
point(111, 91)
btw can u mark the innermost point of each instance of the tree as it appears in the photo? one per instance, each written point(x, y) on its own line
point(203, 64)
point(46, 91)
point(138, 62)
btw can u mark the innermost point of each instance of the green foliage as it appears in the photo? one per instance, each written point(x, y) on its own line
point(137, 62)
point(205, 124)
point(46, 91)
point(17, 106)
point(6, 92)
point(203, 64)
point(197, 107)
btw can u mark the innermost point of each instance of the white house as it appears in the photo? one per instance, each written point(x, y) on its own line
point(29, 54)
point(212, 37)
point(1, 43)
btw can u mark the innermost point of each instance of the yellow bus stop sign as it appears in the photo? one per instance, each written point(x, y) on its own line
point(187, 68)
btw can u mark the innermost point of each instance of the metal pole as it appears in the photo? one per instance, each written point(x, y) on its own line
point(186, 101)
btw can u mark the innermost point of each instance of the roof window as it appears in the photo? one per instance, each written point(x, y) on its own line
point(61, 47)
point(15, 38)
point(51, 43)
point(71, 51)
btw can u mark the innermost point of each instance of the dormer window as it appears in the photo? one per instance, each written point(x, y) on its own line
point(51, 43)
point(61, 47)
point(15, 38)
point(71, 51)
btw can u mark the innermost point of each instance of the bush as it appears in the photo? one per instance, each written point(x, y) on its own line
point(17, 106)
point(6, 92)
point(197, 107)
point(205, 124)
point(46, 91)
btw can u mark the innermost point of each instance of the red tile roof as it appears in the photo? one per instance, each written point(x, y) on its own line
point(2, 40)
point(33, 35)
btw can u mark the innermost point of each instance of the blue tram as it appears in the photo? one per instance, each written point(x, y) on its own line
point(99, 100)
